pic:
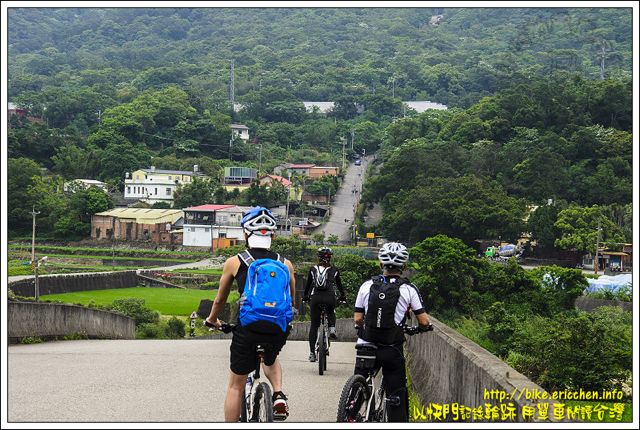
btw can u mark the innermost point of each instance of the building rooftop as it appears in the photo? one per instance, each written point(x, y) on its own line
point(239, 126)
point(172, 172)
point(300, 166)
point(144, 214)
point(208, 208)
point(280, 179)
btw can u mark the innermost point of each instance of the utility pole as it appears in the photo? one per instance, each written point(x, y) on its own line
point(232, 87)
point(595, 261)
point(353, 132)
point(344, 142)
point(33, 235)
point(260, 158)
point(288, 197)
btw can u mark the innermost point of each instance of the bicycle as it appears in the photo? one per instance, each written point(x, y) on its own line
point(257, 403)
point(323, 341)
point(360, 400)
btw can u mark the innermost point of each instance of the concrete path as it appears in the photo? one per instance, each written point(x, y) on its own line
point(156, 380)
point(345, 203)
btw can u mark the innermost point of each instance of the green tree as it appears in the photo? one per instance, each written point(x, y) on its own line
point(578, 227)
point(198, 192)
point(21, 175)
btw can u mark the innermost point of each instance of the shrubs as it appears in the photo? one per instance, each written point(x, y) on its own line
point(175, 328)
point(135, 308)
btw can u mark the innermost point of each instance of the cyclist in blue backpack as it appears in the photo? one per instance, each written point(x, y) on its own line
point(266, 285)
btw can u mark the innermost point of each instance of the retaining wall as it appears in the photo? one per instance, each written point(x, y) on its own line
point(69, 283)
point(53, 319)
point(448, 368)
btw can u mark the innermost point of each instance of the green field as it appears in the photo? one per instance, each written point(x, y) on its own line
point(167, 301)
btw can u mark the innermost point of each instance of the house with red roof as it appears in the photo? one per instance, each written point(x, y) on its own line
point(205, 224)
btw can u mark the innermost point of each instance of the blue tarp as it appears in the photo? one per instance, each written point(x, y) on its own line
point(611, 283)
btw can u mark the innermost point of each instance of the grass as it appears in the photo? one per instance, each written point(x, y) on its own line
point(167, 301)
point(117, 251)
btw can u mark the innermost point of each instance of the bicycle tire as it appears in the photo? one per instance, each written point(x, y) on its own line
point(263, 404)
point(243, 409)
point(322, 356)
point(355, 394)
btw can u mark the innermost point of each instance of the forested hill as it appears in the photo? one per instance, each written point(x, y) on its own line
point(315, 53)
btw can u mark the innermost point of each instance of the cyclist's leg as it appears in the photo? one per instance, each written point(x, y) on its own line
point(243, 362)
point(393, 369)
point(273, 372)
point(315, 322)
point(331, 312)
point(233, 400)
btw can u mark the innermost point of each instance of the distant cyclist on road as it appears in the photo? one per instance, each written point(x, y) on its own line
point(321, 286)
point(254, 328)
point(380, 310)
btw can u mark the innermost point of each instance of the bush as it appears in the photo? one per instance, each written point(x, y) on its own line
point(135, 308)
point(290, 247)
point(230, 251)
point(175, 328)
point(211, 285)
point(150, 331)
point(28, 340)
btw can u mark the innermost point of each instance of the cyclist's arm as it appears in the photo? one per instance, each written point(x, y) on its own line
point(418, 307)
point(339, 284)
point(307, 288)
point(292, 280)
point(229, 271)
point(359, 307)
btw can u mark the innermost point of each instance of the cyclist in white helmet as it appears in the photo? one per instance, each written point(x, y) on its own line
point(259, 227)
point(380, 310)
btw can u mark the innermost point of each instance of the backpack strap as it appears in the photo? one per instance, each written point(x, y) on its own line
point(281, 259)
point(246, 258)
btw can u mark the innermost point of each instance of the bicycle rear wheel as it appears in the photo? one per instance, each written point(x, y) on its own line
point(263, 404)
point(243, 409)
point(322, 354)
point(352, 406)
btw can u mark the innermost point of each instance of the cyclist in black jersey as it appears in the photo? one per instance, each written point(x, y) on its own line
point(259, 227)
point(321, 286)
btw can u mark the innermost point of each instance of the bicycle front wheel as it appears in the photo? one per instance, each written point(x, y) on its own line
point(263, 404)
point(352, 407)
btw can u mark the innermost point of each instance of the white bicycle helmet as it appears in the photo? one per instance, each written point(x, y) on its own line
point(393, 254)
point(259, 224)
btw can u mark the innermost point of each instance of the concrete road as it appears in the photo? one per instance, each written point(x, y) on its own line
point(345, 203)
point(156, 380)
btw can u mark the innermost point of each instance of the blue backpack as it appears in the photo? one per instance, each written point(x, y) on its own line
point(266, 295)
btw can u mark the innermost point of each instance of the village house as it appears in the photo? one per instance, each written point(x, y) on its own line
point(241, 131)
point(82, 184)
point(215, 226)
point(138, 224)
point(155, 185)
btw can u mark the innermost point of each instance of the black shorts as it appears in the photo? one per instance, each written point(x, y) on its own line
point(243, 349)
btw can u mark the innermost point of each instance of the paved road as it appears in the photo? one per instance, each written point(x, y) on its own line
point(156, 380)
point(345, 202)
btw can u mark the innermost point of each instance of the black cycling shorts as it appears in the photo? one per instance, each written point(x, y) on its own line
point(243, 349)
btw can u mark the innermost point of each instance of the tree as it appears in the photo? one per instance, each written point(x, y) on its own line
point(578, 227)
point(466, 207)
point(445, 269)
point(21, 174)
point(197, 192)
point(541, 224)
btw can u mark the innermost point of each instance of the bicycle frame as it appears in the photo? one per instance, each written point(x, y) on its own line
point(325, 328)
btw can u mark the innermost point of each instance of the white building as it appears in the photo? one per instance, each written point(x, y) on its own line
point(82, 184)
point(204, 223)
point(240, 130)
point(155, 185)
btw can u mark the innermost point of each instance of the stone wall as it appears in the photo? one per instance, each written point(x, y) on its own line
point(57, 284)
point(588, 304)
point(53, 319)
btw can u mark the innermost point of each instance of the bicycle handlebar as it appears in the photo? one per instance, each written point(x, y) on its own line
point(224, 327)
point(410, 330)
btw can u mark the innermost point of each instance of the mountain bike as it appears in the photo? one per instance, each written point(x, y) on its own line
point(360, 400)
point(257, 403)
point(323, 342)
